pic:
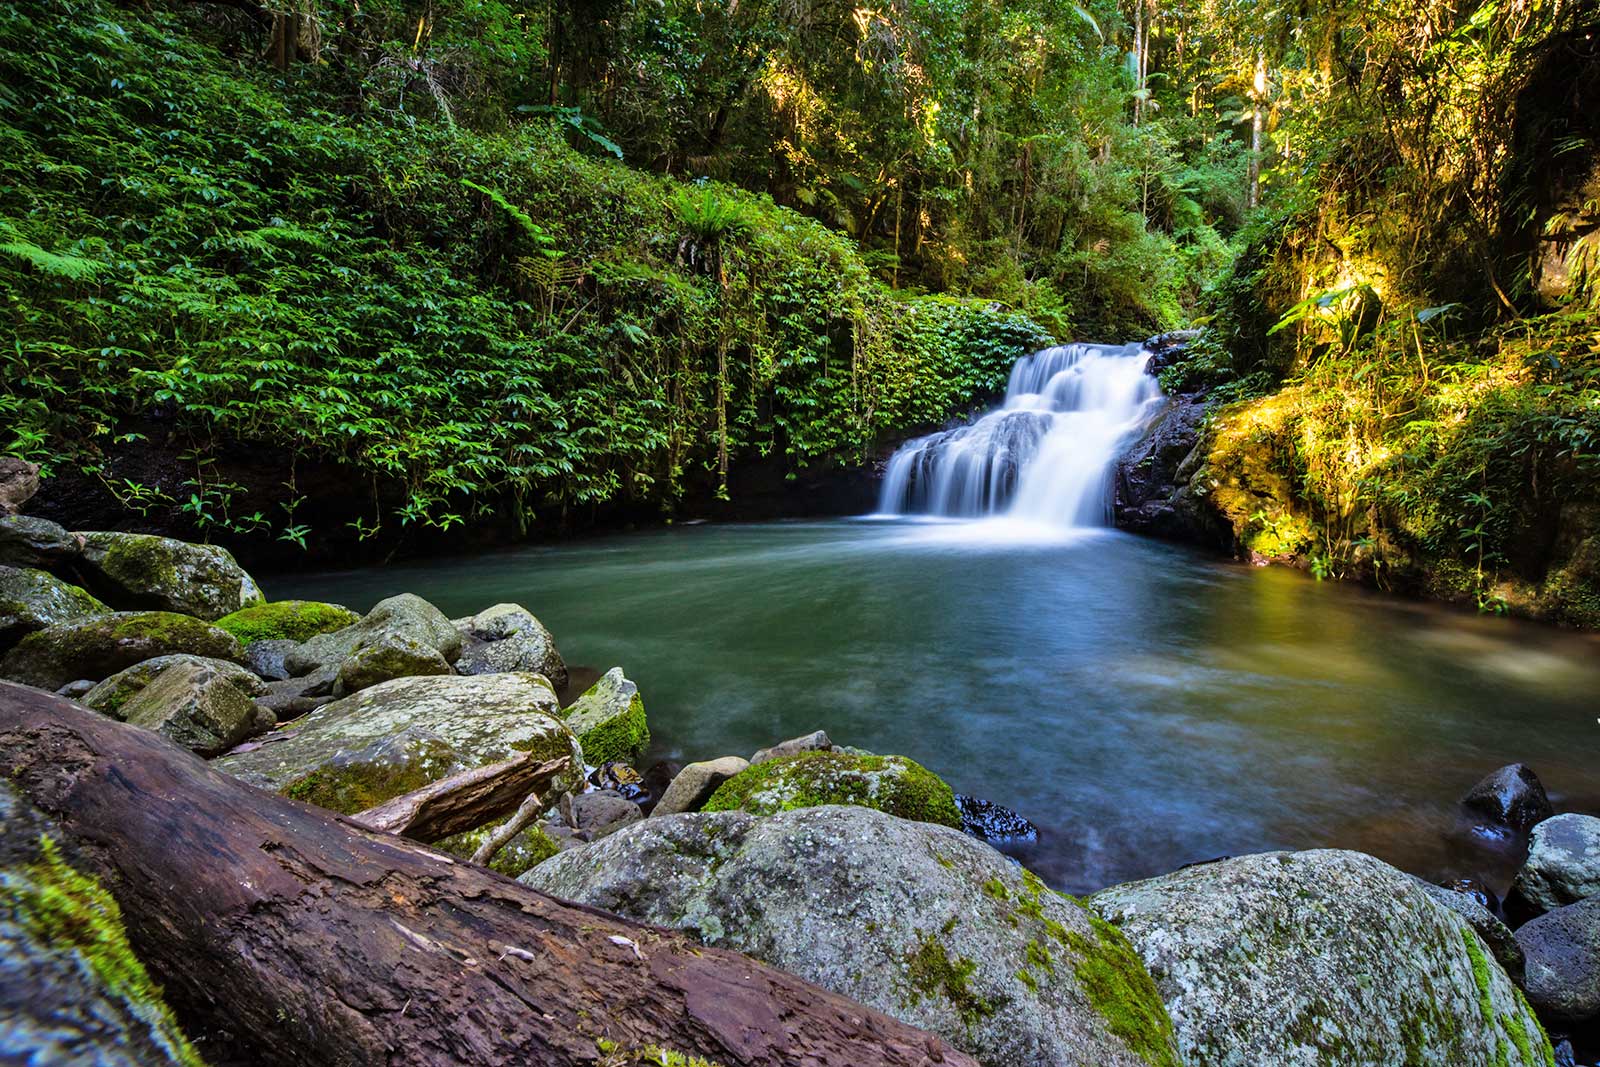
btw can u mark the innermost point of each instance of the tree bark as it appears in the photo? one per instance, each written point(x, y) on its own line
point(313, 940)
point(463, 801)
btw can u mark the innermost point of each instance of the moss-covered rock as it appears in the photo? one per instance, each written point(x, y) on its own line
point(111, 695)
point(406, 616)
point(98, 647)
point(197, 707)
point(917, 920)
point(164, 574)
point(32, 600)
point(286, 620)
point(609, 720)
point(507, 637)
point(892, 784)
point(391, 656)
point(530, 847)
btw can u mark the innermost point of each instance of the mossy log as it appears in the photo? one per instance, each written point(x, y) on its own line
point(312, 940)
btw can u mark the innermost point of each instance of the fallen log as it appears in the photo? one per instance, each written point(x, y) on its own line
point(462, 801)
point(316, 941)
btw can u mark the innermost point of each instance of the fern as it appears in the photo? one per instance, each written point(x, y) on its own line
point(53, 264)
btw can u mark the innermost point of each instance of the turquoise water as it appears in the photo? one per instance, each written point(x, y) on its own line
point(1145, 705)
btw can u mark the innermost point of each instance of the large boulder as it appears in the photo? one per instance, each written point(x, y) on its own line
point(31, 600)
point(507, 637)
point(916, 920)
point(112, 695)
point(19, 480)
point(286, 620)
point(609, 720)
point(1512, 796)
point(390, 656)
point(402, 734)
point(100, 646)
point(29, 541)
point(406, 616)
point(894, 784)
point(164, 574)
point(694, 785)
point(1322, 959)
point(1563, 863)
point(72, 993)
point(198, 707)
point(1563, 952)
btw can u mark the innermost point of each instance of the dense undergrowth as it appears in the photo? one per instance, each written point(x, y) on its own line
point(202, 254)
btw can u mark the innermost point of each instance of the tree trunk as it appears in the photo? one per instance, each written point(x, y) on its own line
point(463, 801)
point(310, 940)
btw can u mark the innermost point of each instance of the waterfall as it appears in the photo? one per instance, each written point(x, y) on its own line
point(1045, 455)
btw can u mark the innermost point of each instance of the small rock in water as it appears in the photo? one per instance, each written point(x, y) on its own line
point(1512, 796)
point(988, 821)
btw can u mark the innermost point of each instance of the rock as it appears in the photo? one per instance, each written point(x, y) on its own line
point(98, 647)
point(76, 690)
point(198, 707)
point(1323, 958)
point(893, 784)
point(400, 735)
point(31, 600)
point(601, 812)
point(695, 783)
point(390, 656)
point(406, 615)
point(988, 821)
point(916, 920)
point(19, 480)
point(72, 993)
point(507, 637)
point(1512, 796)
point(655, 780)
point(621, 779)
point(164, 574)
point(1563, 864)
point(1563, 952)
point(531, 846)
point(112, 695)
point(290, 698)
point(286, 620)
point(265, 656)
point(29, 541)
point(816, 741)
point(1494, 933)
point(1150, 495)
point(609, 719)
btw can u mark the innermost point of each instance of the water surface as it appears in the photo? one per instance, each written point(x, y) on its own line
point(1145, 705)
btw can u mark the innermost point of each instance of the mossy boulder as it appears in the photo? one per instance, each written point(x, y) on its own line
point(916, 920)
point(609, 720)
point(391, 656)
point(72, 992)
point(530, 847)
point(892, 784)
point(199, 708)
point(164, 574)
point(507, 637)
point(110, 696)
point(402, 734)
point(1325, 957)
point(100, 646)
point(32, 600)
point(406, 616)
point(286, 620)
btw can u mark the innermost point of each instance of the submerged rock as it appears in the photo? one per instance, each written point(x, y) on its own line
point(32, 600)
point(1512, 796)
point(1324, 958)
point(1563, 951)
point(405, 616)
point(609, 719)
point(165, 574)
point(892, 784)
point(110, 696)
point(199, 707)
point(286, 620)
point(400, 735)
point(918, 921)
point(29, 541)
point(694, 784)
point(988, 821)
point(98, 647)
point(1563, 864)
point(507, 637)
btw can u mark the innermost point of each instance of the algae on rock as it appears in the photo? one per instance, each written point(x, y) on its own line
point(892, 784)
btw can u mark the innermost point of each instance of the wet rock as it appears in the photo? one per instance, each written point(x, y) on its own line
point(199, 707)
point(1512, 796)
point(617, 777)
point(1494, 933)
point(31, 600)
point(609, 719)
point(1563, 865)
point(265, 656)
point(602, 812)
point(1326, 957)
point(76, 690)
point(1563, 952)
point(405, 616)
point(29, 541)
point(1167, 348)
point(1151, 491)
point(111, 696)
point(988, 821)
point(812, 742)
point(916, 920)
point(286, 620)
point(657, 779)
point(164, 574)
point(695, 783)
point(98, 647)
point(892, 784)
point(507, 637)
point(389, 656)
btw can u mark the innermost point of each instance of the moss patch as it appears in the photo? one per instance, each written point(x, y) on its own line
point(529, 848)
point(892, 784)
point(358, 784)
point(932, 973)
point(621, 737)
point(286, 620)
point(1119, 988)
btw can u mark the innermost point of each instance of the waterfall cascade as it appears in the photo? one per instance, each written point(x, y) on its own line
point(1045, 455)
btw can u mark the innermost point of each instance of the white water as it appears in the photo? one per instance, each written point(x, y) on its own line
point(1045, 455)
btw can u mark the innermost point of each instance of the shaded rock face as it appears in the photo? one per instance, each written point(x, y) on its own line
point(72, 994)
point(198, 707)
point(265, 657)
point(693, 785)
point(112, 695)
point(29, 541)
point(1512, 796)
point(32, 600)
point(1151, 490)
point(602, 812)
point(165, 574)
point(98, 647)
point(609, 720)
point(19, 480)
point(400, 735)
point(892, 784)
point(1563, 864)
point(1321, 959)
point(918, 921)
point(1563, 951)
point(507, 637)
point(405, 616)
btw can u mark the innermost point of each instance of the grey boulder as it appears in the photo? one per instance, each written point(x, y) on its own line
point(29, 541)
point(694, 785)
point(199, 707)
point(99, 646)
point(405, 616)
point(265, 657)
point(1494, 933)
point(112, 695)
point(32, 599)
point(164, 574)
point(392, 655)
point(916, 920)
point(816, 741)
point(507, 637)
point(1563, 864)
point(603, 811)
point(1563, 950)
